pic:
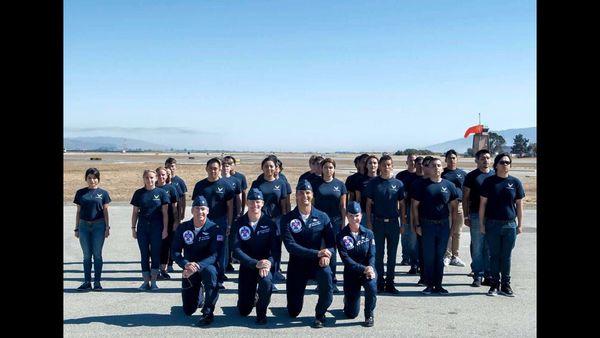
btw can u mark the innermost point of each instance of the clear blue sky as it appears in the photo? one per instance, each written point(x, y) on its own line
point(297, 75)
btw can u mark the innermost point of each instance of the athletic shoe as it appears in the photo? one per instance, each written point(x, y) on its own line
point(225, 278)
point(493, 291)
point(456, 261)
point(229, 268)
point(486, 282)
point(206, 319)
point(471, 274)
point(274, 289)
point(446, 261)
point(153, 286)
point(476, 282)
point(319, 323)
point(421, 282)
point(391, 289)
point(162, 274)
point(412, 271)
point(335, 289)
point(220, 286)
point(261, 320)
point(86, 286)
point(144, 287)
point(440, 290)
point(97, 286)
point(369, 321)
point(506, 290)
point(428, 290)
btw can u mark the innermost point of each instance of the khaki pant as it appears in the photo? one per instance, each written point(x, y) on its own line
point(454, 241)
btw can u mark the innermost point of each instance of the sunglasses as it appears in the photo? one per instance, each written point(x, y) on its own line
point(504, 162)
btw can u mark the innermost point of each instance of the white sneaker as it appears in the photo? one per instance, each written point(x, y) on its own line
point(446, 261)
point(456, 262)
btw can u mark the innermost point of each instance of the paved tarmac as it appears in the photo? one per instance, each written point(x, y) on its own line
point(121, 310)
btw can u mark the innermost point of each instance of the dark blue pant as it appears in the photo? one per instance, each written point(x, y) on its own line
point(222, 249)
point(408, 241)
point(190, 291)
point(298, 275)
point(336, 221)
point(420, 255)
point(91, 238)
point(247, 288)
point(149, 238)
point(277, 254)
point(435, 242)
point(500, 237)
point(352, 284)
point(386, 233)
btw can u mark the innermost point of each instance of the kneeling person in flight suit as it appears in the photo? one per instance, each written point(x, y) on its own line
point(304, 229)
point(356, 245)
point(198, 239)
point(254, 246)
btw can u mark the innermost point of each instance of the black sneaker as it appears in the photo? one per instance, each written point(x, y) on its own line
point(369, 321)
point(220, 286)
point(97, 286)
point(261, 320)
point(486, 282)
point(225, 278)
point(163, 275)
point(229, 268)
point(412, 271)
point(206, 319)
point(471, 274)
point(391, 289)
point(319, 323)
point(335, 289)
point(493, 291)
point(274, 289)
point(421, 282)
point(380, 288)
point(428, 290)
point(476, 282)
point(506, 290)
point(86, 286)
point(440, 290)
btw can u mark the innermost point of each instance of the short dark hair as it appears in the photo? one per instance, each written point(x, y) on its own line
point(426, 160)
point(356, 160)
point(318, 159)
point(481, 152)
point(386, 157)
point(419, 159)
point(92, 171)
point(311, 160)
point(170, 161)
point(279, 164)
point(433, 159)
point(450, 152)
point(499, 157)
point(214, 160)
point(229, 157)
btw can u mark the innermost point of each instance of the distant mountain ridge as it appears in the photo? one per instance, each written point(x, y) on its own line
point(462, 144)
point(109, 144)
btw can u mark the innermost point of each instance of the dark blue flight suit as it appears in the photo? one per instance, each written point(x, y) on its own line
point(357, 253)
point(250, 246)
point(202, 249)
point(303, 242)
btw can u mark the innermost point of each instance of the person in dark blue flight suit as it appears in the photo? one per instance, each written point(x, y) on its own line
point(304, 229)
point(198, 239)
point(254, 245)
point(356, 245)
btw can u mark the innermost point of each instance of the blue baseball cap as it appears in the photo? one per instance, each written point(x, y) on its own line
point(255, 194)
point(200, 201)
point(304, 185)
point(353, 208)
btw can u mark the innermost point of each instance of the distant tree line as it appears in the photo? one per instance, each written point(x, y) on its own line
point(411, 151)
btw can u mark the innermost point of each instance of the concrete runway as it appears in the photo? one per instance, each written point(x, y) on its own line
point(121, 310)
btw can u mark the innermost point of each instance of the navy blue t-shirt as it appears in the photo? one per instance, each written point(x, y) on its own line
point(361, 185)
point(242, 179)
point(434, 198)
point(150, 203)
point(312, 178)
point(407, 179)
point(91, 202)
point(217, 194)
point(237, 189)
point(473, 181)
point(288, 187)
point(456, 176)
point(273, 193)
point(501, 194)
point(173, 196)
point(178, 181)
point(328, 195)
point(351, 181)
point(385, 193)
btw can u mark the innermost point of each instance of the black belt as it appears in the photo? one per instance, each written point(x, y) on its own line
point(434, 221)
point(385, 220)
point(92, 222)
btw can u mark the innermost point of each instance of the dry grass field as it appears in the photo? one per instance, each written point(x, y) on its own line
point(121, 173)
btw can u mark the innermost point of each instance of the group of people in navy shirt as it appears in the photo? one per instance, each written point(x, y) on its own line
point(361, 220)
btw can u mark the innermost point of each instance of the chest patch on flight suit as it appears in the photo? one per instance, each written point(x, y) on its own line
point(296, 226)
point(188, 237)
point(245, 233)
point(219, 238)
point(348, 242)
